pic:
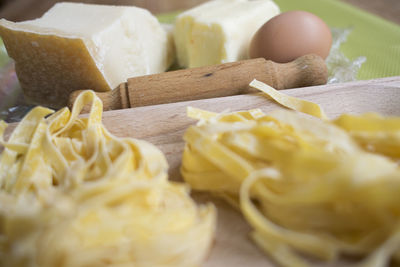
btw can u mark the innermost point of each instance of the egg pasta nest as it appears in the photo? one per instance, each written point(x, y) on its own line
point(307, 185)
point(74, 195)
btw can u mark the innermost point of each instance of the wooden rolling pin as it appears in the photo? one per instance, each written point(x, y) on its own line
point(212, 81)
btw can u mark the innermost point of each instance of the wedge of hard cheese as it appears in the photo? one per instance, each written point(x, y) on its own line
point(80, 46)
point(219, 31)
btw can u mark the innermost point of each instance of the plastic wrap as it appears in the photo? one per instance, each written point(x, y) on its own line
point(341, 68)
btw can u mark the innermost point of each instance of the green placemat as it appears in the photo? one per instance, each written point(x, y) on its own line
point(375, 38)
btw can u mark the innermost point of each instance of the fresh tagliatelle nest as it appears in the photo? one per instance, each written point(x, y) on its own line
point(73, 195)
point(309, 186)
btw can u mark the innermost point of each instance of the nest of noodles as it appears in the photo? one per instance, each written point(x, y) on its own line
point(306, 184)
point(73, 195)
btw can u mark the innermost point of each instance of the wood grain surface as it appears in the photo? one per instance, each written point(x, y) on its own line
point(18, 10)
point(163, 125)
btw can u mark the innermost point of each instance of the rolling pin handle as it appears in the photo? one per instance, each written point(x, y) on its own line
point(308, 70)
point(115, 99)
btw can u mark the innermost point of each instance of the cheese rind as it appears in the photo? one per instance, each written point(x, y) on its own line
point(219, 31)
point(80, 46)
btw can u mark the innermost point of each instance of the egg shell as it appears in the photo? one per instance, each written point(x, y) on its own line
point(290, 35)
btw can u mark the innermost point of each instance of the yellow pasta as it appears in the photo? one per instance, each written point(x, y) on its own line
point(306, 184)
point(73, 195)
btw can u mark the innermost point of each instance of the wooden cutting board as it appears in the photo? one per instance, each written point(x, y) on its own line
point(164, 125)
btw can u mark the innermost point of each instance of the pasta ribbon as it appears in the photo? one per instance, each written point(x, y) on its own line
point(73, 195)
point(306, 184)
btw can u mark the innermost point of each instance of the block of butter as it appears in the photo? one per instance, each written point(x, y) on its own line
point(219, 31)
point(82, 46)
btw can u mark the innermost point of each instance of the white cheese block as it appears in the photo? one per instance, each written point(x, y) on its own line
point(219, 31)
point(81, 46)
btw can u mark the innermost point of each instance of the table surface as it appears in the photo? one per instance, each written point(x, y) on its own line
point(18, 10)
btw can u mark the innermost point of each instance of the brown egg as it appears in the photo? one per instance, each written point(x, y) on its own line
point(290, 35)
